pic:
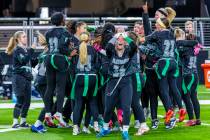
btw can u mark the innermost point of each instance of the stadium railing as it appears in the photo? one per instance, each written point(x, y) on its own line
point(10, 25)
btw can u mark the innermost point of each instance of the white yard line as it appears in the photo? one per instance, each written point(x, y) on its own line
point(10, 129)
point(11, 105)
point(41, 105)
point(5, 126)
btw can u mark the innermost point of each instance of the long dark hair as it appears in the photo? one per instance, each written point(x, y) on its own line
point(107, 33)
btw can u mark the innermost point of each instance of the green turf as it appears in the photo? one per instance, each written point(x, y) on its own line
point(203, 93)
point(180, 132)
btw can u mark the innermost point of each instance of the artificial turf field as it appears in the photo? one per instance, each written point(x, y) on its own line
point(180, 132)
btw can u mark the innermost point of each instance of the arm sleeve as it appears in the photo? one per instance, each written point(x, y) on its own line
point(151, 36)
point(132, 49)
point(109, 50)
point(146, 24)
point(110, 47)
point(23, 58)
point(64, 46)
point(187, 43)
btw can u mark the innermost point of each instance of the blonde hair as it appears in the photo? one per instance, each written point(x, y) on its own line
point(178, 33)
point(42, 41)
point(171, 14)
point(83, 54)
point(188, 23)
point(13, 42)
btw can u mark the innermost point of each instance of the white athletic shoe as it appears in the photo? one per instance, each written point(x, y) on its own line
point(115, 129)
point(136, 124)
point(59, 117)
point(142, 130)
point(96, 127)
point(76, 130)
point(86, 130)
point(71, 117)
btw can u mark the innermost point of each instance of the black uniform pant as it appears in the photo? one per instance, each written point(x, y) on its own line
point(88, 101)
point(152, 89)
point(137, 82)
point(22, 89)
point(56, 82)
point(122, 93)
point(167, 71)
point(189, 88)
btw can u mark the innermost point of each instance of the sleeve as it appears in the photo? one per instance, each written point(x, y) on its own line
point(110, 47)
point(128, 40)
point(34, 62)
point(96, 60)
point(146, 24)
point(151, 37)
point(1, 64)
point(23, 58)
point(65, 42)
point(132, 49)
point(186, 43)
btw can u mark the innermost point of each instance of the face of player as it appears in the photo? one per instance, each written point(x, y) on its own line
point(22, 39)
point(158, 15)
point(189, 28)
point(120, 30)
point(120, 43)
point(82, 29)
point(138, 29)
point(158, 27)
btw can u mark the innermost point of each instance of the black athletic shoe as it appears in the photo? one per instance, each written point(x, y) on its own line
point(155, 124)
point(25, 125)
point(15, 125)
point(198, 122)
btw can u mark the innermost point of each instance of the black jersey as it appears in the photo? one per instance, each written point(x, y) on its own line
point(58, 41)
point(120, 66)
point(92, 62)
point(136, 63)
point(146, 23)
point(187, 58)
point(167, 43)
point(103, 60)
point(21, 62)
point(152, 51)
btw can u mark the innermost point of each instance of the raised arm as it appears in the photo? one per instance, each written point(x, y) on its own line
point(146, 22)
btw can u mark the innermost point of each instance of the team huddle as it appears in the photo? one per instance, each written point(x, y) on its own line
point(109, 75)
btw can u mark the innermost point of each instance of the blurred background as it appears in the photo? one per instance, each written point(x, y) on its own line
point(90, 8)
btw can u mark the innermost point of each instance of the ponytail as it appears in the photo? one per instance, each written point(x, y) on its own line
point(171, 14)
point(13, 42)
point(83, 54)
point(178, 33)
point(11, 45)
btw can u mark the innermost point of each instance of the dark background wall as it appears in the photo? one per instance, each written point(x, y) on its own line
point(190, 9)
